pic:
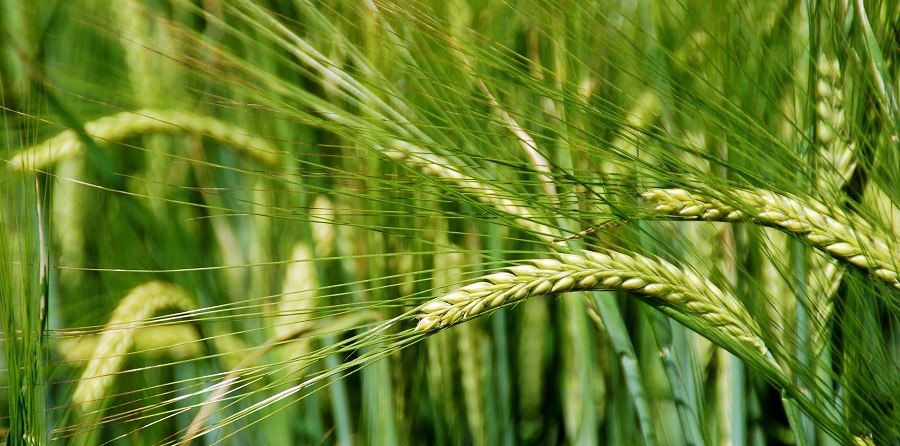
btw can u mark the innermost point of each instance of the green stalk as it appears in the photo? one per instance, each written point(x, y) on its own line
point(670, 352)
point(337, 388)
point(378, 409)
point(738, 396)
point(804, 430)
point(615, 327)
point(502, 431)
point(22, 298)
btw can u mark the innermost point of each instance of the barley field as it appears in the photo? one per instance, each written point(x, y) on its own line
point(471, 222)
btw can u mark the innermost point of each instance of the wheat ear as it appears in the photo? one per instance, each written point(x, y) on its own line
point(118, 336)
point(681, 294)
point(117, 127)
point(850, 239)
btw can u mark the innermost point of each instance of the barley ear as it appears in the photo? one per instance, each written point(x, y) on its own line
point(679, 293)
point(848, 238)
point(118, 127)
point(430, 164)
point(837, 152)
point(118, 336)
point(300, 289)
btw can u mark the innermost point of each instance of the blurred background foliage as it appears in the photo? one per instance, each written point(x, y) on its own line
point(219, 216)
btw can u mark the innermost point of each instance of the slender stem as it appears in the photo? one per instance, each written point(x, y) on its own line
point(503, 375)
